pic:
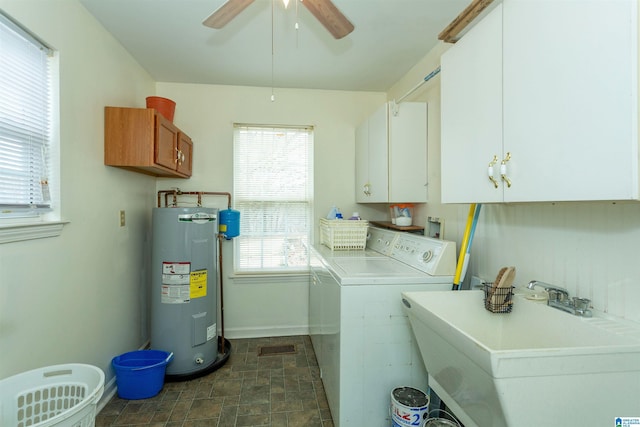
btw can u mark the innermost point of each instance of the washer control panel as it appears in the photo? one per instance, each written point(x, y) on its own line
point(433, 256)
point(381, 240)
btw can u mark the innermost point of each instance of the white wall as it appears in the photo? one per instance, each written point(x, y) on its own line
point(263, 306)
point(80, 297)
point(589, 248)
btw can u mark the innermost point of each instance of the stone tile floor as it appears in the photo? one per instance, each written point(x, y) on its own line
point(249, 390)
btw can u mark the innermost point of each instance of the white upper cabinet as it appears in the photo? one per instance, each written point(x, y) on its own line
point(391, 155)
point(471, 113)
point(546, 91)
point(372, 171)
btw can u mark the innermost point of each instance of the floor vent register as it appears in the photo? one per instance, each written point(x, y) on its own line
point(276, 350)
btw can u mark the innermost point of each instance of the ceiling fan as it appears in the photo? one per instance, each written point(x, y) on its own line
point(324, 11)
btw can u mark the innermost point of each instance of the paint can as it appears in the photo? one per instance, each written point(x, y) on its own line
point(409, 407)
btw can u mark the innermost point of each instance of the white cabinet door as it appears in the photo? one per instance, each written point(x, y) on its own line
point(362, 162)
point(372, 170)
point(408, 153)
point(471, 114)
point(378, 156)
point(570, 99)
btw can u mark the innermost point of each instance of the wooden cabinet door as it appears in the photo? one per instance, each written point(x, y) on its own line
point(185, 153)
point(166, 147)
point(471, 114)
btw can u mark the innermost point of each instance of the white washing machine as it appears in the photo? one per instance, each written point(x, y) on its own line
point(361, 336)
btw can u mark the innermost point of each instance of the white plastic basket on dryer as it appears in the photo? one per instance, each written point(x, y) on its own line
point(344, 235)
point(59, 395)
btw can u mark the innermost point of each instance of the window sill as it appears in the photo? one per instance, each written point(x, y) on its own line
point(265, 278)
point(29, 231)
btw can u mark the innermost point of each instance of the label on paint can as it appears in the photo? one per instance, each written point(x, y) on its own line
point(409, 407)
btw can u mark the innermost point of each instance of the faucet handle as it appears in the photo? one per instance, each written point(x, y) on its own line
point(581, 303)
point(557, 295)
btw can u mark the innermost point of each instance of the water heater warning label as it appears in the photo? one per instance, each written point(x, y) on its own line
point(176, 283)
point(198, 284)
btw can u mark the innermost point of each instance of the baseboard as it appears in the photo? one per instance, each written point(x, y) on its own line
point(270, 331)
point(110, 387)
point(110, 390)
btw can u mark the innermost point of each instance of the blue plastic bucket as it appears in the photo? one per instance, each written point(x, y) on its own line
point(140, 374)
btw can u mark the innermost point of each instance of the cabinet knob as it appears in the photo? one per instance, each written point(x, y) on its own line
point(503, 170)
point(490, 171)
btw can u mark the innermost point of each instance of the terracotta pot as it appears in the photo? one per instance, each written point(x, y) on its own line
point(164, 106)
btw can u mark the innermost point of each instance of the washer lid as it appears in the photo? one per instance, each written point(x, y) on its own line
point(364, 271)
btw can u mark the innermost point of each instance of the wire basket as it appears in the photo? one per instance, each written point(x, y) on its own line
point(59, 395)
point(498, 300)
point(344, 234)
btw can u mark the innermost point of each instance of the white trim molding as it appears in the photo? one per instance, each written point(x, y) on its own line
point(18, 232)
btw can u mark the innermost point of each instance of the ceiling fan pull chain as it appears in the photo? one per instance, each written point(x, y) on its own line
point(273, 96)
point(297, 27)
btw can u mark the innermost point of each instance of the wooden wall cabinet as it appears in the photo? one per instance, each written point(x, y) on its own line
point(142, 140)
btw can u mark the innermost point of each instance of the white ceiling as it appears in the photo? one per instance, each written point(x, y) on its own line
point(168, 39)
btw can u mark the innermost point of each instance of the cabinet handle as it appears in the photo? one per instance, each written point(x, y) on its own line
point(490, 171)
point(503, 170)
point(180, 158)
point(366, 190)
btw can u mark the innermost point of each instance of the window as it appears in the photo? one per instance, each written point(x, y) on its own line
point(25, 122)
point(273, 190)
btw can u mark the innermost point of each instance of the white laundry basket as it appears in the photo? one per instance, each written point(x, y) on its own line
point(59, 395)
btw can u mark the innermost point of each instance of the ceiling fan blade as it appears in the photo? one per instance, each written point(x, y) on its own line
point(329, 16)
point(226, 13)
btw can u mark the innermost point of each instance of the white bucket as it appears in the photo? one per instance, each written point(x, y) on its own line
point(409, 407)
point(441, 422)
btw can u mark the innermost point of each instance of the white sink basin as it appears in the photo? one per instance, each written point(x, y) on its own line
point(535, 366)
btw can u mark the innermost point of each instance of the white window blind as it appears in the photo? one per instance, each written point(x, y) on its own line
point(25, 121)
point(273, 190)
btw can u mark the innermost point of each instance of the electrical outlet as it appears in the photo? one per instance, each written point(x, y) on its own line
point(122, 219)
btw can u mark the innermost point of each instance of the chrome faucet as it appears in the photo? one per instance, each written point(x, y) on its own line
point(559, 298)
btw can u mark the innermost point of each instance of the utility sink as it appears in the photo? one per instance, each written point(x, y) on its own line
point(535, 366)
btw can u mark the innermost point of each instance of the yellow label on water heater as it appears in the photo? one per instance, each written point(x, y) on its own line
point(198, 284)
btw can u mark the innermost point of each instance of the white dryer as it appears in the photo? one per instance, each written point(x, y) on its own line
point(361, 335)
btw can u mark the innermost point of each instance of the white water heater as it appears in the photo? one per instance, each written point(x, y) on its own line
point(184, 289)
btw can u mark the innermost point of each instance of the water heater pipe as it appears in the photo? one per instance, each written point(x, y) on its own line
point(220, 238)
point(177, 192)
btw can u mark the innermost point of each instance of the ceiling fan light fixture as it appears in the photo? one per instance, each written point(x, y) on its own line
point(324, 10)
